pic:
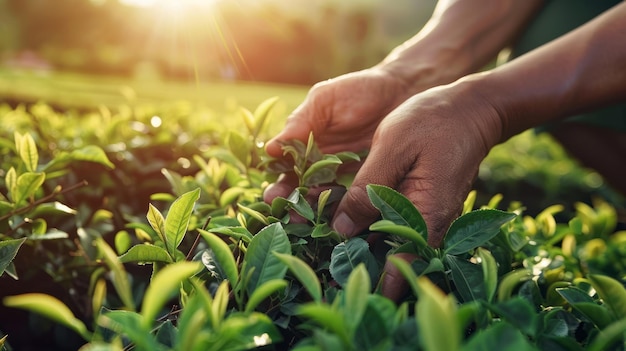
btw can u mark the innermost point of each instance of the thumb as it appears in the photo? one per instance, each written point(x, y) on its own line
point(296, 127)
point(355, 212)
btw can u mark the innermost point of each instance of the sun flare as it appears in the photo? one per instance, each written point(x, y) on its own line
point(174, 5)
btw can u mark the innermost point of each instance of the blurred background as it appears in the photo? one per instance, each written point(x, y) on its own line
point(293, 42)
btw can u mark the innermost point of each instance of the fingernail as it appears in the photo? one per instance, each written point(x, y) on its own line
point(343, 224)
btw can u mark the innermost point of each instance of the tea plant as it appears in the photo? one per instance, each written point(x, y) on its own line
point(226, 271)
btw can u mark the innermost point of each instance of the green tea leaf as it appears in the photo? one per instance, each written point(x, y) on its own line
point(397, 208)
point(321, 202)
point(11, 183)
point(253, 213)
point(261, 114)
point(51, 308)
point(248, 119)
point(223, 255)
point(28, 151)
point(123, 242)
point(8, 251)
point(500, 336)
point(613, 334)
point(190, 324)
point(144, 253)
point(355, 296)
point(597, 314)
point(327, 317)
point(519, 312)
point(347, 255)
point(468, 279)
point(121, 281)
point(490, 272)
point(378, 325)
point(322, 171)
point(261, 261)
point(474, 229)
point(436, 318)
point(298, 203)
point(304, 273)
point(27, 185)
point(220, 304)
point(240, 147)
point(157, 221)
point(263, 291)
point(406, 270)
point(177, 219)
point(389, 227)
point(510, 281)
point(130, 324)
point(163, 285)
point(613, 294)
point(92, 153)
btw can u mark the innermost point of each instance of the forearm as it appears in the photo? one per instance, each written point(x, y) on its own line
point(577, 72)
point(461, 37)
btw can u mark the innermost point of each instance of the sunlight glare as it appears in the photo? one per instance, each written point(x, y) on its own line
point(173, 5)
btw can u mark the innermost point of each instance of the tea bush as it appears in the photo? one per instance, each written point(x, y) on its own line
point(144, 229)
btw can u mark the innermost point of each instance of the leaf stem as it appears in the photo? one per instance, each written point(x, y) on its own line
point(42, 200)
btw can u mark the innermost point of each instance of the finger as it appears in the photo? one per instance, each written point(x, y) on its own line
point(296, 127)
point(283, 187)
point(394, 286)
point(382, 167)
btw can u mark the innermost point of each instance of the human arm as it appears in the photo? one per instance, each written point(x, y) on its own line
point(430, 147)
point(343, 113)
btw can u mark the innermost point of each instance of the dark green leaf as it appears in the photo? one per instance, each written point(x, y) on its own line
point(468, 279)
point(347, 255)
point(613, 294)
point(8, 251)
point(501, 337)
point(517, 312)
point(166, 334)
point(304, 273)
point(376, 325)
point(397, 208)
point(474, 229)
point(260, 262)
point(223, 255)
point(298, 203)
point(596, 314)
point(573, 295)
point(327, 317)
point(322, 171)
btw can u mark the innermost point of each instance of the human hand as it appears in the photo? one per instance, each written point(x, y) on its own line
point(429, 149)
point(343, 114)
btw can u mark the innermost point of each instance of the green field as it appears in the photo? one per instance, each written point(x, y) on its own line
point(85, 91)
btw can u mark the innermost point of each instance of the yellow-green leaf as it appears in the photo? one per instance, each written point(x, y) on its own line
point(164, 284)
point(51, 308)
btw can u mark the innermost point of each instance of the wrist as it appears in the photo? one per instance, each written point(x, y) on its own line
point(424, 69)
